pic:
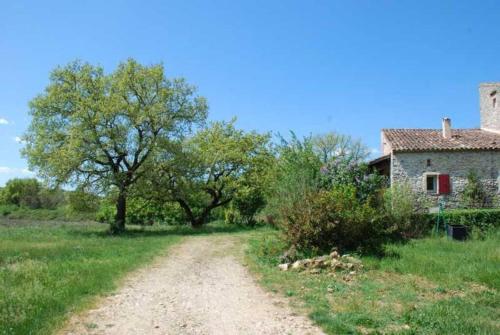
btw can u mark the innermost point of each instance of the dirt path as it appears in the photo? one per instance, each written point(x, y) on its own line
point(199, 288)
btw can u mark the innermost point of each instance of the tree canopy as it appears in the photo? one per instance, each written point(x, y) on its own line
point(96, 129)
point(209, 169)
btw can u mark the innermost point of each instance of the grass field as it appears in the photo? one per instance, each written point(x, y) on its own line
point(428, 286)
point(49, 270)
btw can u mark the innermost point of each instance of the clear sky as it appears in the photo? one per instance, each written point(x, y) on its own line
point(308, 66)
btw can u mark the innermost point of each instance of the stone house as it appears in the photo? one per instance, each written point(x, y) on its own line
point(436, 162)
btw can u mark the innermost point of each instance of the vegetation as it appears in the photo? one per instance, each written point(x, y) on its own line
point(134, 147)
point(323, 196)
point(473, 195)
point(31, 194)
point(480, 219)
point(428, 286)
point(49, 270)
point(208, 170)
point(99, 130)
point(30, 199)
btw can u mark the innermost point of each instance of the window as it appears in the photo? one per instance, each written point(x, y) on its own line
point(437, 183)
point(431, 182)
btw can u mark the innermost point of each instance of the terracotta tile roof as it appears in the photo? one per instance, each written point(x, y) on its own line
point(432, 140)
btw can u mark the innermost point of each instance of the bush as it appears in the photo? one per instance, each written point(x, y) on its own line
point(51, 198)
point(22, 192)
point(327, 219)
point(295, 174)
point(6, 210)
point(482, 219)
point(31, 194)
point(406, 211)
point(248, 202)
point(142, 212)
point(81, 201)
point(232, 216)
point(340, 171)
point(473, 195)
point(106, 213)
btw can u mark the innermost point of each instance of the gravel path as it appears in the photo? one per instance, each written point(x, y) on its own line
point(199, 288)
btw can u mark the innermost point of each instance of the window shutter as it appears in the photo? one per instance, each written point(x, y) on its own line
point(444, 184)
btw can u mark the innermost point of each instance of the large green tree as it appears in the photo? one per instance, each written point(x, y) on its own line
point(99, 130)
point(208, 169)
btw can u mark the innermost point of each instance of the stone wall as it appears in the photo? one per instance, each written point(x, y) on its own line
point(411, 167)
point(490, 115)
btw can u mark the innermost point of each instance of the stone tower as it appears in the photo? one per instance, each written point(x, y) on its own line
point(489, 102)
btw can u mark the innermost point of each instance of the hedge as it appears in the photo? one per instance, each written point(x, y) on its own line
point(484, 219)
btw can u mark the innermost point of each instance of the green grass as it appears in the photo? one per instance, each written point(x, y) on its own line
point(428, 286)
point(62, 213)
point(49, 270)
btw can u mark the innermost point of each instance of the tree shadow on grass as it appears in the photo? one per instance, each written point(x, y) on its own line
point(158, 231)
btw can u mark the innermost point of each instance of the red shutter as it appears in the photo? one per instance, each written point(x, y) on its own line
point(444, 184)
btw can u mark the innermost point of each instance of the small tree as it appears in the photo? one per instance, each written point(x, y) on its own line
point(95, 129)
point(294, 174)
point(333, 146)
point(473, 195)
point(80, 200)
point(208, 169)
point(248, 202)
point(22, 192)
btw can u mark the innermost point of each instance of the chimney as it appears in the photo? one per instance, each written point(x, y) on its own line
point(446, 127)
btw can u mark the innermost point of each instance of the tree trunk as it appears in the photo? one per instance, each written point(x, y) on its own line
point(200, 220)
point(197, 222)
point(121, 213)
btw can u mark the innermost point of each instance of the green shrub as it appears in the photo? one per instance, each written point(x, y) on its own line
point(81, 201)
point(169, 213)
point(336, 218)
point(341, 171)
point(106, 213)
point(232, 216)
point(405, 211)
point(482, 219)
point(142, 212)
point(474, 195)
point(22, 192)
point(295, 174)
point(31, 194)
point(248, 202)
point(51, 198)
point(6, 210)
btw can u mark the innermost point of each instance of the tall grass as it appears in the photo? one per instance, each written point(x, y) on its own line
point(427, 286)
point(445, 261)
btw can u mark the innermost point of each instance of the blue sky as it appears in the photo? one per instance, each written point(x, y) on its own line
point(308, 66)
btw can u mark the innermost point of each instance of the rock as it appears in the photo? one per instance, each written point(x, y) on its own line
point(289, 256)
point(298, 265)
point(284, 266)
point(322, 258)
point(334, 254)
point(352, 273)
point(337, 265)
point(333, 261)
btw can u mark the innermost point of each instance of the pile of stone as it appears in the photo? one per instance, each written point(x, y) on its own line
point(333, 262)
